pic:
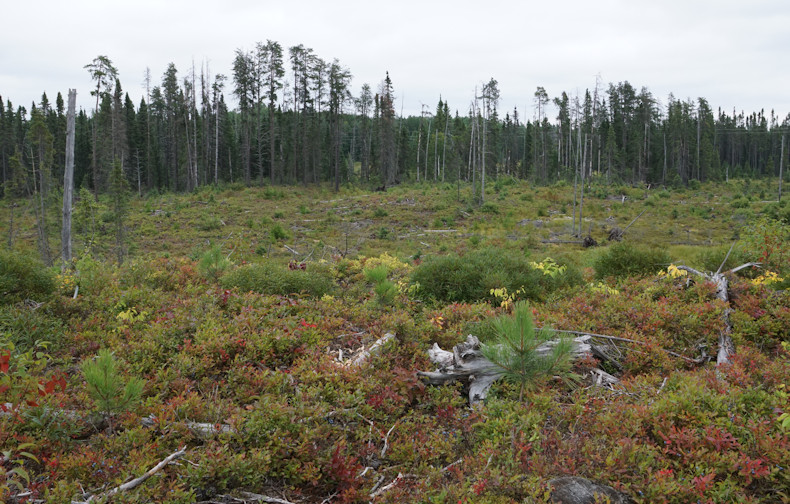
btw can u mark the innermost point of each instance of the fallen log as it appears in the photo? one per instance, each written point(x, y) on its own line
point(726, 345)
point(575, 490)
point(374, 349)
point(468, 364)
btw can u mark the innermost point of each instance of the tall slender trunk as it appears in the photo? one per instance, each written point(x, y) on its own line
point(471, 164)
point(427, 144)
point(444, 144)
point(581, 192)
point(781, 167)
point(419, 145)
point(483, 156)
point(68, 178)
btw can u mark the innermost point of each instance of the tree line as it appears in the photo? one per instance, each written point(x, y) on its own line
point(297, 122)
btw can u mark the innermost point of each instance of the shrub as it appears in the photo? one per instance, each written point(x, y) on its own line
point(270, 278)
point(271, 193)
point(209, 223)
point(624, 260)
point(740, 202)
point(711, 258)
point(376, 275)
point(489, 208)
point(385, 289)
point(471, 277)
point(277, 232)
point(768, 241)
point(213, 263)
point(22, 277)
point(25, 327)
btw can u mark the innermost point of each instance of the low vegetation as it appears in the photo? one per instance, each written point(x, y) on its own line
point(242, 344)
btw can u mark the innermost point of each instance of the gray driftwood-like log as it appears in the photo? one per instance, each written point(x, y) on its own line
point(374, 349)
point(726, 345)
point(575, 490)
point(468, 364)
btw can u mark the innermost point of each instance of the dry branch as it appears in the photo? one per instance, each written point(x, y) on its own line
point(253, 497)
point(616, 234)
point(131, 485)
point(400, 477)
point(597, 349)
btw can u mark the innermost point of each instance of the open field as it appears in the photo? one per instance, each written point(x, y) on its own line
point(241, 313)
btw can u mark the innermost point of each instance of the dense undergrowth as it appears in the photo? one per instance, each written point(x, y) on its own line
point(246, 335)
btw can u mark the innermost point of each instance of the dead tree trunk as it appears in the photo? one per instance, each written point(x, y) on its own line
point(726, 345)
point(68, 179)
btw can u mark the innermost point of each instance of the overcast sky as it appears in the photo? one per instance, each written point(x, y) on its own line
point(734, 53)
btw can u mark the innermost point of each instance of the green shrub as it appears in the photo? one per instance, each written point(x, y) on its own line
point(768, 241)
point(270, 278)
point(709, 259)
point(94, 276)
point(213, 263)
point(489, 208)
point(376, 275)
point(469, 278)
point(277, 232)
point(24, 326)
point(22, 277)
point(386, 291)
point(624, 260)
point(778, 212)
point(740, 202)
point(271, 193)
point(209, 223)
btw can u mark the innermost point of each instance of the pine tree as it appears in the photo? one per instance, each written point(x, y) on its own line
point(105, 74)
point(516, 350)
point(106, 386)
point(386, 129)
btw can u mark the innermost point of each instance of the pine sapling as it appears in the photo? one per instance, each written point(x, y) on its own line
point(107, 388)
point(524, 353)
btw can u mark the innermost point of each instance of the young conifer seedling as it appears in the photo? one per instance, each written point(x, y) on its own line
point(524, 353)
point(107, 388)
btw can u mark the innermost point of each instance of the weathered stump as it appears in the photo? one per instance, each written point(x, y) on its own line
point(467, 364)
